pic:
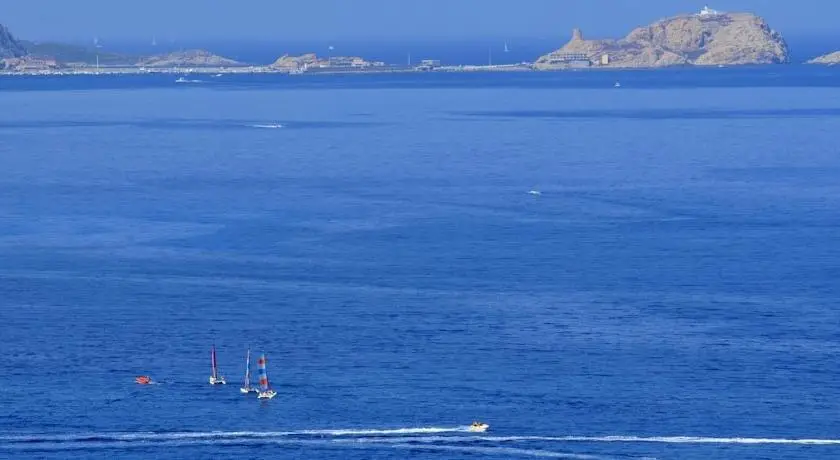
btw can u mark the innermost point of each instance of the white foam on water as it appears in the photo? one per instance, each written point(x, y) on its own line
point(653, 439)
point(395, 431)
point(268, 126)
point(600, 439)
point(187, 435)
point(698, 440)
point(509, 451)
point(341, 442)
point(417, 437)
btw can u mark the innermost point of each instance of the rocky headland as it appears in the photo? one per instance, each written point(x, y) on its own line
point(827, 59)
point(188, 58)
point(293, 64)
point(14, 56)
point(10, 47)
point(709, 38)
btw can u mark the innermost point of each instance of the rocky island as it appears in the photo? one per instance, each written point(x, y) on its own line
point(312, 63)
point(708, 38)
point(187, 58)
point(826, 59)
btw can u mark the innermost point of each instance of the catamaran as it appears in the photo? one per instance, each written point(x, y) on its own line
point(215, 378)
point(247, 388)
point(265, 391)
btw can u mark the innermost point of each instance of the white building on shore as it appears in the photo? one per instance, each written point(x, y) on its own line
point(706, 11)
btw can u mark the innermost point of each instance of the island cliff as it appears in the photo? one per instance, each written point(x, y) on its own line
point(704, 39)
point(14, 57)
point(188, 58)
point(827, 59)
point(288, 63)
point(10, 47)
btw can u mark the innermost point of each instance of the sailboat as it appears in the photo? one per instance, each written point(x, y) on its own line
point(247, 388)
point(265, 391)
point(507, 50)
point(215, 378)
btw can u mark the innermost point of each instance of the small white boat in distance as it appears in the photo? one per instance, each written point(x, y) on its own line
point(215, 378)
point(265, 390)
point(617, 85)
point(534, 192)
point(478, 427)
point(182, 80)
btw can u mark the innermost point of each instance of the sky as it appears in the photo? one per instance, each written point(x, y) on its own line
point(300, 20)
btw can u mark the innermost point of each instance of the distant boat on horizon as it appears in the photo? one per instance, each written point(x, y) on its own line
point(507, 50)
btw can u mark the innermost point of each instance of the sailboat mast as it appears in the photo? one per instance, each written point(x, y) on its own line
point(213, 361)
point(248, 369)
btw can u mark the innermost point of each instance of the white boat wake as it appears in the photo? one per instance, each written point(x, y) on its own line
point(694, 440)
point(268, 126)
point(452, 439)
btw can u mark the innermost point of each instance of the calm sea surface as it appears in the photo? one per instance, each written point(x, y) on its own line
point(672, 291)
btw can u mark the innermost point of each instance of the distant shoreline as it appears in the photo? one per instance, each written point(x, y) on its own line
point(240, 70)
point(268, 70)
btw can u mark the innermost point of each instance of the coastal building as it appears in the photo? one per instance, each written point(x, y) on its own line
point(28, 64)
point(706, 11)
point(430, 63)
point(345, 62)
point(569, 60)
point(605, 59)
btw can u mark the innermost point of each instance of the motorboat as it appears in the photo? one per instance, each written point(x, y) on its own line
point(478, 427)
point(143, 380)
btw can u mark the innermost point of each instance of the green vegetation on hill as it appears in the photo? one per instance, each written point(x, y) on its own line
point(74, 54)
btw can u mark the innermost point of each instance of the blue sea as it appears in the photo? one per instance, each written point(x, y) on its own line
point(643, 272)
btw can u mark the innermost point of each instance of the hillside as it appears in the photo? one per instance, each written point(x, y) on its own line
point(827, 59)
point(10, 47)
point(704, 39)
point(188, 58)
point(75, 54)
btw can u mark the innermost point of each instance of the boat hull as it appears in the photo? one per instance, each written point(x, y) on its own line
point(481, 428)
point(217, 381)
point(267, 394)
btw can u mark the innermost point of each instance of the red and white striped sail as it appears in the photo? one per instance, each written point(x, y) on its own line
point(261, 371)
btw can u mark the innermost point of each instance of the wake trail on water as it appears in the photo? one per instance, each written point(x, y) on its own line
point(694, 440)
point(399, 438)
point(630, 439)
point(454, 439)
point(185, 435)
